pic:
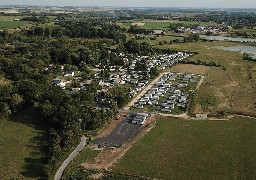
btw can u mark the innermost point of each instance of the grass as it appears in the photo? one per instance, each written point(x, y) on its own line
point(231, 86)
point(163, 24)
point(21, 141)
point(183, 149)
point(12, 24)
point(9, 18)
point(158, 39)
point(85, 156)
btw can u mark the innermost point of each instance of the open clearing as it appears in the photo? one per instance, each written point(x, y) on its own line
point(188, 68)
point(162, 24)
point(190, 149)
point(109, 156)
point(230, 88)
point(20, 143)
point(138, 24)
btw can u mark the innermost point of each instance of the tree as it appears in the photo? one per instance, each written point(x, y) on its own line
point(4, 109)
point(154, 71)
point(141, 65)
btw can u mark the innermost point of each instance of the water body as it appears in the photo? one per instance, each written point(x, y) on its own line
point(242, 49)
point(224, 38)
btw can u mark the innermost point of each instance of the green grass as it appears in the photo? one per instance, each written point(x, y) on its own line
point(158, 39)
point(183, 149)
point(231, 87)
point(9, 18)
point(21, 141)
point(85, 156)
point(12, 24)
point(153, 24)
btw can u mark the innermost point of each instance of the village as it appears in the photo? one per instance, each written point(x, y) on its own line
point(170, 94)
point(134, 80)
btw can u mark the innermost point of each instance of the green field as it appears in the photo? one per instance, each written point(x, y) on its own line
point(163, 24)
point(12, 24)
point(85, 156)
point(21, 141)
point(9, 18)
point(185, 149)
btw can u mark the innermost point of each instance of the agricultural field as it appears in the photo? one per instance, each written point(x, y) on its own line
point(12, 24)
point(186, 149)
point(162, 39)
point(8, 22)
point(21, 142)
point(161, 24)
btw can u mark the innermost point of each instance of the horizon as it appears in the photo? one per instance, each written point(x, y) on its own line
point(199, 4)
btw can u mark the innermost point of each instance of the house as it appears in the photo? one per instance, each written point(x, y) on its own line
point(182, 85)
point(139, 118)
point(69, 74)
point(177, 92)
point(59, 82)
point(158, 32)
point(167, 85)
point(168, 106)
point(166, 110)
point(201, 116)
point(86, 83)
point(142, 102)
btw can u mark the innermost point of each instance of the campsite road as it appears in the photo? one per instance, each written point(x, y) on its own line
point(149, 86)
point(78, 149)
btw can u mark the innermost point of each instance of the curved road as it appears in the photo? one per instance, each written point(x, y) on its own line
point(78, 149)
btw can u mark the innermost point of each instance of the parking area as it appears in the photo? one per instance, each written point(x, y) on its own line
point(122, 132)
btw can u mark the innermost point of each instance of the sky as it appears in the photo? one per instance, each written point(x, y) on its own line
point(139, 3)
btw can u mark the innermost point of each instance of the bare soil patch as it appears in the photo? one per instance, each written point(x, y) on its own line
point(138, 24)
point(189, 68)
point(109, 156)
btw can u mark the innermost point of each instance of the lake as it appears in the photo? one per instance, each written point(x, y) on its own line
point(223, 38)
point(242, 49)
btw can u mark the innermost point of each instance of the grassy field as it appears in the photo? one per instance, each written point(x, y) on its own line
point(158, 39)
point(12, 24)
point(231, 87)
point(9, 18)
point(185, 149)
point(162, 24)
point(7, 22)
point(85, 156)
point(21, 141)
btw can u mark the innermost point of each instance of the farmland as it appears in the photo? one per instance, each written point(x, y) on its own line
point(154, 24)
point(21, 141)
point(185, 149)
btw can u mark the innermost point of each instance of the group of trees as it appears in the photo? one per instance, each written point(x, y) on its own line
point(135, 29)
point(24, 58)
point(133, 47)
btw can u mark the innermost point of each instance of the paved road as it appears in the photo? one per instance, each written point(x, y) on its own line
point(122, 132)
point(70, 158)
point(134, 100)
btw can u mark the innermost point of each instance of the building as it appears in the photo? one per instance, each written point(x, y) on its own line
point(201, 116)
point(139, 118)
